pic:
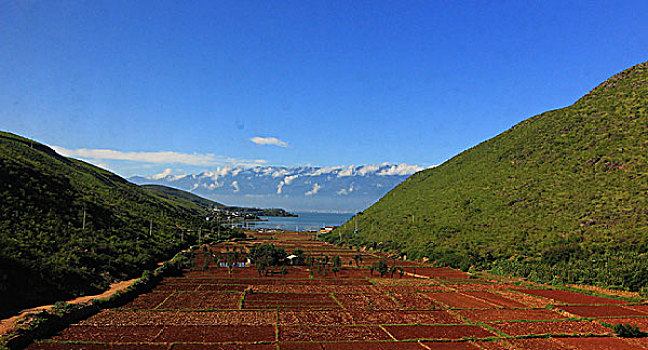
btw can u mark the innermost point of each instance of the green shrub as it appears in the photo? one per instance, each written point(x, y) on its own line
point(628, 331)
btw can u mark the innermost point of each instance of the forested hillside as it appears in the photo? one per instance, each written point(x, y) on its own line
point(68, 228)
point(561, 197)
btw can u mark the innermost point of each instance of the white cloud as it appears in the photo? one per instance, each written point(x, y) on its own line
point(345, 191)
point(401, 169)
point(280, 187)
point(161, 157)
point(162, 175)
point(269, 141)
point(288, 179)
point(316, 188)
point(236, 186)
point(369, 169)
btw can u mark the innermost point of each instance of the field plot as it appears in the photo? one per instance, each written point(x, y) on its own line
point(642, 323)
point(602, 311)
point(148, 301)
point(414, 301)
point(290, 307)
point(289, 301)
point(438, 332)
point(567, 297)
point(496, 299)
point(212, 334)
point(202, 300)
point(459, 300)
point(331, 333)
point(551, 327)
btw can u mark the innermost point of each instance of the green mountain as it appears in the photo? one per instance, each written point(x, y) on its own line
point(561, 197)
point(201, 204)
point(68, 228)
point(189, 200)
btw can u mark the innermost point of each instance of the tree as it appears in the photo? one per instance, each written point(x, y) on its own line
point(381, 267)
point(358, 259)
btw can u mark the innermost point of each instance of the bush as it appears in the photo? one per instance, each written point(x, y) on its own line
point(628, 331)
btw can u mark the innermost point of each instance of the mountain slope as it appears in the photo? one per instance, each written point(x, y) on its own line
point(190, 200)
point(561, 196)
point(68, 228)
point(340, 188)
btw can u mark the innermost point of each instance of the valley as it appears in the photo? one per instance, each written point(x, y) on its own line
point(406, 305)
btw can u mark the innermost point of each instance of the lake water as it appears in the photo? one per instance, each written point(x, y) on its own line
point(304, 222)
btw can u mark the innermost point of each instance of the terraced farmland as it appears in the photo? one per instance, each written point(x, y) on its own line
point(211, 307)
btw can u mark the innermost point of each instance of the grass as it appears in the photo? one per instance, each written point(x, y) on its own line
point(559, 198)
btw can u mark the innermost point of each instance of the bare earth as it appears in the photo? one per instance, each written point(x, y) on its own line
point(8, 324)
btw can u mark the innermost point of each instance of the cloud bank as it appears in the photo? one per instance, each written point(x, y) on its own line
point(273, 141)
point(160, 157)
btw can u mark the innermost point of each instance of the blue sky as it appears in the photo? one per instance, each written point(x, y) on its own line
point(333, 82)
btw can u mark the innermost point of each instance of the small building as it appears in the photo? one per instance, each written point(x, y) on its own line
point(327, 229)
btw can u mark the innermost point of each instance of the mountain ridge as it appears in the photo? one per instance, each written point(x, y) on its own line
point(69, 228)
point(538, 200)
point(308, 188)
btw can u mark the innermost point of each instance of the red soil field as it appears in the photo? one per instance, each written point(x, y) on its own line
point(538, 344)
point(437, 332)
point(353, 301)
point(67, 346)
point(599, 343)
point(352, 310)
point(476, 287)
point(451, 346)
point(642, 308)
point(381, 301)
point(210, 334)
point(203, 300)
point(551, 327)
point(403, 317)
point(529, 300)
point(122, 334)
point(301, 346)
point(509, 315)
point(176, 287)
point(223, 347)
point(222, 288)
point(415, 301)
point(439, 273)
point(201, 318)
point(320, 318)
point(289, 301)
point(436, 288)
point(331, 333)
point(148, 301)
point(642, 323)
point(602, 311)
point(497, 344)
point(457, 300)
point(496, 299)
point(567, 297)
point(289, 288)
point(374, 345)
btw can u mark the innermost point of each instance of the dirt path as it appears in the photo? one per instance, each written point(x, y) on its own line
point(8, 324)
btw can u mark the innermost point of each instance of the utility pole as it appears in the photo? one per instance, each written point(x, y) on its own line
point(151, 228)
point(356, 224)
point(84, 216)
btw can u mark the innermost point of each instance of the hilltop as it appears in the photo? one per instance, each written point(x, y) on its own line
point(201, 204)
point(562, 196)
point(68, 228)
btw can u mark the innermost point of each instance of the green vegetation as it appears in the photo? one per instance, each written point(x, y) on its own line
point(265, 256)
point(68, 228)
point(628, 331)
point(561, 197)
point(188, 200)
